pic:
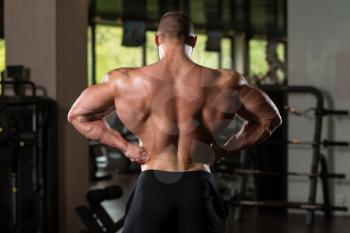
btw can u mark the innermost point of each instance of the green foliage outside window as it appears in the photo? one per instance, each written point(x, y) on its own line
point(202, 57)
point(257, 58)
point(2, 56)
point(110, 54)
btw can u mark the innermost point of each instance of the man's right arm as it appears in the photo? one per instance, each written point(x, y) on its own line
point(260, 114)
point(88, 114)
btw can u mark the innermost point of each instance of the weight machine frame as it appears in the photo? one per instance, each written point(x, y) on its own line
point(44, 177)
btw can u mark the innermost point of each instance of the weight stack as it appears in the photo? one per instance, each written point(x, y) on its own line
point(28, 165)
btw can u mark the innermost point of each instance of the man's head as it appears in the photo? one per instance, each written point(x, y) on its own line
point(176, 26)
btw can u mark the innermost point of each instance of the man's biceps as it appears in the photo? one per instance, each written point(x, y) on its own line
point(256, 100)
point(109, 111)
point(246, 114)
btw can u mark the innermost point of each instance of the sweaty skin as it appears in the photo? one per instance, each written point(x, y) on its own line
point(177, 109)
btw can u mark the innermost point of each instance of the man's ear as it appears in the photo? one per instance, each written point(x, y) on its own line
point(156, 40)
point(191, 41)
point(194, 41)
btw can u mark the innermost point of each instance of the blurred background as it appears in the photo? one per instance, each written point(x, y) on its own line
point(54, 180)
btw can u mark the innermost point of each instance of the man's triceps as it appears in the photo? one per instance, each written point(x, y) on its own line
point(261, 119)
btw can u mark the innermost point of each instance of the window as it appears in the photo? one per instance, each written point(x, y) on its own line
point(2, 57)
point(2, 54)
point(226, 58)
point(203, 57)
point(151, 48)
point(199, 54)
point(111, 54)
point(258, 66)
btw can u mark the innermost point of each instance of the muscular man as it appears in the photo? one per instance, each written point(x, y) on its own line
point(177, 109)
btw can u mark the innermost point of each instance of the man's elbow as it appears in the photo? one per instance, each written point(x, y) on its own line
point(272, 123)
point(71, 117)
point(276, 122)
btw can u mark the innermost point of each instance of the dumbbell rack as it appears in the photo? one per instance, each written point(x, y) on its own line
point(318, 161)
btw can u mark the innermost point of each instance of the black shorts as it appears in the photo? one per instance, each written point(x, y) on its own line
point(175, 202)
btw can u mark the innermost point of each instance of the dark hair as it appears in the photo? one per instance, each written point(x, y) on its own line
point(176, 24)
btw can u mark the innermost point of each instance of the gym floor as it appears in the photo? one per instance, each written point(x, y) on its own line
point(254, 221)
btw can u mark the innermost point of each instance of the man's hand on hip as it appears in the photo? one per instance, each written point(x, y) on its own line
point(137, 153)
point(219, 151)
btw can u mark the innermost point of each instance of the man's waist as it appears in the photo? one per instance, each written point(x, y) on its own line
point(179, 164)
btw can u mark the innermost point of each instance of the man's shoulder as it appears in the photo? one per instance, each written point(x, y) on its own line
point(231, 78)
point(122, 75)
point(130, 72)
point(127, 79)
point(121, 72)
point(233, 74)
point(118, 78)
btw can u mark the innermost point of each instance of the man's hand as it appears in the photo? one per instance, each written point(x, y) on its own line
point(219, 151)
point(137, 153)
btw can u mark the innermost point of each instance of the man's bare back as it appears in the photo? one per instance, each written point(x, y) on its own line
point(173, 112)
point(178, 110)
point(175, 107)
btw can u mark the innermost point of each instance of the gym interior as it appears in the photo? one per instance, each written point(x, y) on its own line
point(53, 180)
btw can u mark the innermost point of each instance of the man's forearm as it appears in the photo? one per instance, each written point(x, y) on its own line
point(99, 130)
point(250, 134)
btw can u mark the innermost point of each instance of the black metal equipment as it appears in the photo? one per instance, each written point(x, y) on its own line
point(318, 168)
point(28, 162)
point(95, 217)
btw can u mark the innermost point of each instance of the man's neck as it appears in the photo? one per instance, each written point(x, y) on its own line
point(175, 52)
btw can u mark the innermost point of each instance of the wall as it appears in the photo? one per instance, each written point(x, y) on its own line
point(31, 39)
point(50, 37)
point(319, 55)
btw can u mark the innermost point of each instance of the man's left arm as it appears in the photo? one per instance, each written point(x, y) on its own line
point(88, 112)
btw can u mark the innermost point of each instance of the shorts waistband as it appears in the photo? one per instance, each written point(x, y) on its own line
point(177, 174)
